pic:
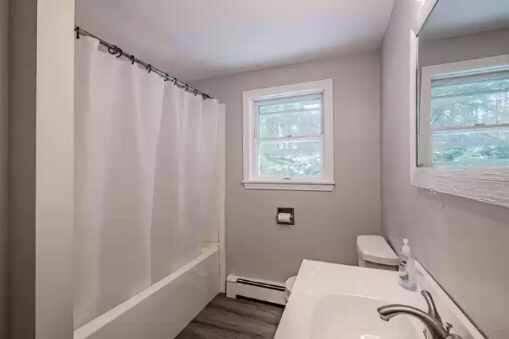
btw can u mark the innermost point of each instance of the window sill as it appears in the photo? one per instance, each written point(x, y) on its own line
point(488, 185)
point(289, 186)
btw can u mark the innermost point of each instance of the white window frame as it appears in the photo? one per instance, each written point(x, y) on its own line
point(488, 185)
point(446, 71)
point(326, 181)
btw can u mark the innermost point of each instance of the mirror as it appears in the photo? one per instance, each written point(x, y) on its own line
point(463, 101)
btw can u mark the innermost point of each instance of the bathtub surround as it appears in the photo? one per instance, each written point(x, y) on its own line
point(149, 183)
point(4, 20)
point(41, 169)
point(54, 199)
point(462, 243)
point(327, 223)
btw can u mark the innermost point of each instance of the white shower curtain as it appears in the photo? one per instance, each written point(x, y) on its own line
point(148, 177)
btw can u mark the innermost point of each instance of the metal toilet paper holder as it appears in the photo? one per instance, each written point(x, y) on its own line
point(285, 210)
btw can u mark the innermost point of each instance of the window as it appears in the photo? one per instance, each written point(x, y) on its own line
point(288, 137)
point(470, 120)
point(466, 117)
point(458, 136)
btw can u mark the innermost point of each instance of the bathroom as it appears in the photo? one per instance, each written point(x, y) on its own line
point(254, 169)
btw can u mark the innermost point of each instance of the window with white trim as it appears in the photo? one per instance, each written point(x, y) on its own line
point(288, 137)
point(465, 114)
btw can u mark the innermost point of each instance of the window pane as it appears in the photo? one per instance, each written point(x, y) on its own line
point(469, 117)
point(486, 147)
point(298, 116)
point(290, 158)
point(281, 125)
point(470, 100)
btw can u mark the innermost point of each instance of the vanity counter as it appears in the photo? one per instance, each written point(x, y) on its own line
point(353, 294)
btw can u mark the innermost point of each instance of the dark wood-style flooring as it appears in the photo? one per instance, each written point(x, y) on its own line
point(226, 318)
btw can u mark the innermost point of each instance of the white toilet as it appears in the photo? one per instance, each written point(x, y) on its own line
point(373, 251)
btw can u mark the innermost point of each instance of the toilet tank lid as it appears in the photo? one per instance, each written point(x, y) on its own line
point(375, 249)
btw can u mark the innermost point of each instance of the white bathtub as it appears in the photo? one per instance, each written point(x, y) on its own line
point(165, 308)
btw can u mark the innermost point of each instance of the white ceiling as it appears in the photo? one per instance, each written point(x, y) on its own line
point(198, 39)
point(452, 18)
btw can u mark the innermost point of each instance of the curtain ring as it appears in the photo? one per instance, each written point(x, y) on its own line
point(195, 92)
point(77, 30)
point(133, 59)
point(149, 68)
point(112, 50)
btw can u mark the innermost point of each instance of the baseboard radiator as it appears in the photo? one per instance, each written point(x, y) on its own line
point(263, 290)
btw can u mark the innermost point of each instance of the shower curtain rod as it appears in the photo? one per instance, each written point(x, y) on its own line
point(118, 52)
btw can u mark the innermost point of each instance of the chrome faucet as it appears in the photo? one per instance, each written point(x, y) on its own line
point(431, 319)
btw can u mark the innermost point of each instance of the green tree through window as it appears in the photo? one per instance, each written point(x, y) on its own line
point(470, 120)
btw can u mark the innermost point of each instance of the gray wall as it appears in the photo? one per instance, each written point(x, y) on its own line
point(462, 242)
point(4, 15)
point(22, 114)
point(327, 223)
point(473, 46)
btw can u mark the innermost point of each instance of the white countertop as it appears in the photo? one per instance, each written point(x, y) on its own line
point(317, 280)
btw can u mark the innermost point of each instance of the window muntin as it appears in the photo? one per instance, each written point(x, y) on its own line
point(470, 120)
point(289, 137)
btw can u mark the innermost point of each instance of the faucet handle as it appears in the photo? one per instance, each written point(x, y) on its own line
point(432, 308)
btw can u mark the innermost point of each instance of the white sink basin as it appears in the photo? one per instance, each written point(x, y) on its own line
point(332, 301)
point(337, 301)
point(350, 317)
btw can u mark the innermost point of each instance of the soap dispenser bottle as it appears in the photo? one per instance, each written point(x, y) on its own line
point(407, 268)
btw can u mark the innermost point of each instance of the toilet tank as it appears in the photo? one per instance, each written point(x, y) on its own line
point(374, 252)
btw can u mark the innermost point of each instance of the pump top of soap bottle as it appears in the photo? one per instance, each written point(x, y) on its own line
point(406, 267)
point(405, 250)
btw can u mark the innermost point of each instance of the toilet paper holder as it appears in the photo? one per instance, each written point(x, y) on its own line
point(285, 216)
